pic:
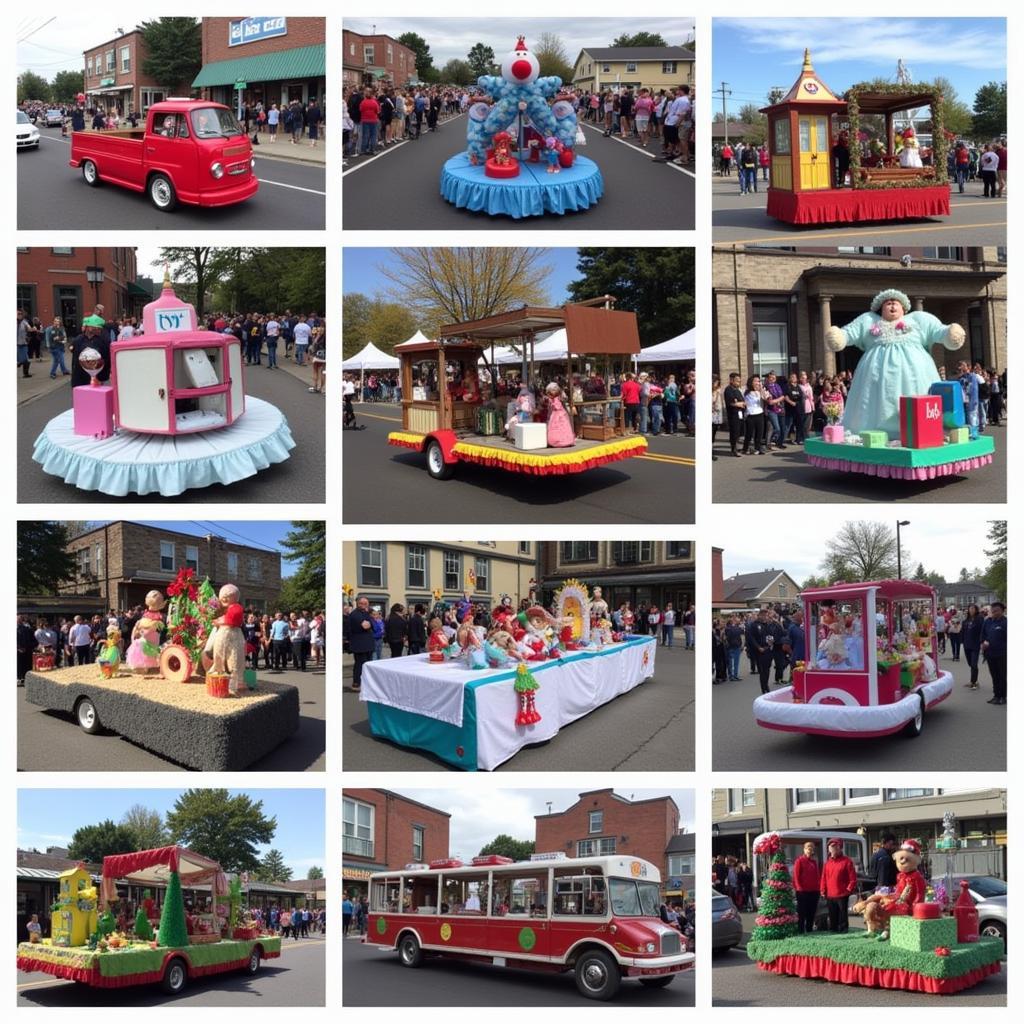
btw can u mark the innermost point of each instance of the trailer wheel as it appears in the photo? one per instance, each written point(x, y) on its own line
point(91, 173)
point(161, 193)
point(597, 975)
point(253, 966)
point(175, 977)
point(436, 466)
point(87, 715)
point(915, 726)
point(659, 982)
point(409, 951)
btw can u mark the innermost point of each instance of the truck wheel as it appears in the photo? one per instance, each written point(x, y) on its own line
point(253, 966)
point(175, 977)
point(915, 726)
point(436, 466)
point(409, 951)
point(161, 193)
point(659, 982)
point(91, 173)
point(597, 975)
point(88, 717)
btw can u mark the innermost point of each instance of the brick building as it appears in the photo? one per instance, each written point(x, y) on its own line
point(602, 823)
point(114, 81)
point(263, 60)
point(640, 572)
point(68, 281)
point(122, 561)
point(771, 305)
point(383, 830)
point(375, 60)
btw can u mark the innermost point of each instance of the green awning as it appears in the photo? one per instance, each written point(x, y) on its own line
point(137, 291)
point(302, 62)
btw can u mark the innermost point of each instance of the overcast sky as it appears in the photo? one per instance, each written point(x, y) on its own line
point(61, 40)
point(796, 543)
point(455, 37)
point(480, 815)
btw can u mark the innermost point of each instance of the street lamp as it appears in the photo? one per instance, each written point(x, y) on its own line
point(899, 554)
point(95, 277)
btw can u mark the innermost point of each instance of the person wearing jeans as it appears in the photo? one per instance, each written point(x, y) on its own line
point(668, 625)
point(689, 626)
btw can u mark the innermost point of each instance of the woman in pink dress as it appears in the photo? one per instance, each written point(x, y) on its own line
point(560, 432)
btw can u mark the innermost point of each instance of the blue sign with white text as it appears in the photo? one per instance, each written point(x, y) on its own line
point(248, 30)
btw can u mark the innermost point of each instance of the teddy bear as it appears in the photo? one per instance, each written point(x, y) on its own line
point(910, 889)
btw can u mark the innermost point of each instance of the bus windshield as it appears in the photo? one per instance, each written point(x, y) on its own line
point(633, 899)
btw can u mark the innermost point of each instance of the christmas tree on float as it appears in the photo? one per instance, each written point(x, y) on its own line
point(777, 917)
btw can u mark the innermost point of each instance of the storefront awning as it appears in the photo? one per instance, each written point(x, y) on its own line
point(300, 63)
point(138, 292)
point(739, 827)
point(112, 88)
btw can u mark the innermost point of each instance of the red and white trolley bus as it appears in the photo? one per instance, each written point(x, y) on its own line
point(595, 916)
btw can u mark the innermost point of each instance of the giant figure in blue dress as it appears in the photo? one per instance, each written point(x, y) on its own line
point(897, 359)
point(518, 89)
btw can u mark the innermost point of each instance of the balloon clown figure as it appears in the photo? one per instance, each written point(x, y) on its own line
point(521, 128)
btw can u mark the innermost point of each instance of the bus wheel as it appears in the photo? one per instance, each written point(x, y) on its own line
point(659, 982)
point(409, 951)
point(597, 975)
point(436, 466)
point(916, 725)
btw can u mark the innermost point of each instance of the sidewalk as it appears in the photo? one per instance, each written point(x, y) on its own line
point(299, 152)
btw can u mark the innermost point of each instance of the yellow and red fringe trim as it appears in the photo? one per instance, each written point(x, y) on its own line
point(406, 440)
point(550, 465)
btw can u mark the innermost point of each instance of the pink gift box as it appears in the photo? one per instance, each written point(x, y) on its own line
point(834, 433)
point(93, 410)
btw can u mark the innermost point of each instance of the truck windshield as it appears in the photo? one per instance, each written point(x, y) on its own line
point(214, 123)
point(633, 899)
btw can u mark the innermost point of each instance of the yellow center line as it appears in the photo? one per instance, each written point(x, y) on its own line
point(674, 459)
point(43, 984)
point(374, 416)
point(813, 236)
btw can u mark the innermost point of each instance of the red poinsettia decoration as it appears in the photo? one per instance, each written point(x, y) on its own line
point(942, 950)
point(769, 845)
point(184, 584)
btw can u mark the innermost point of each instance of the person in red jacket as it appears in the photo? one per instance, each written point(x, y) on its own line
point(807, 882)
point(838, 883)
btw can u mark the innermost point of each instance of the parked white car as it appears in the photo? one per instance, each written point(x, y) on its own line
point(26, 132)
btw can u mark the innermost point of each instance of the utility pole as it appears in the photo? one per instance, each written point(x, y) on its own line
point(725, 94)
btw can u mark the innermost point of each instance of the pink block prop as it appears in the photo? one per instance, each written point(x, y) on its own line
point(833, 433)
point(94, 410)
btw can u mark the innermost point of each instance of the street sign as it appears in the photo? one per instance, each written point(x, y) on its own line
point(241, 85)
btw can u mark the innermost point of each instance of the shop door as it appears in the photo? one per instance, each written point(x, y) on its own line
point(68, 305)
point(814, 155)
point(295, 91)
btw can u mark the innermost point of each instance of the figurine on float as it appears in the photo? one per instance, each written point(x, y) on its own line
point(438, 644)
point(598, 606)
point(522, 409)
point(910, 889)
point(226, 644)
point(500, 647)
point(501, 163)
point(560, 432)
point(910, 154)
point(109, 658)
point(540, 640)
point(519, 89)
point(897, 360)
point(143, 655)
point(468, 644)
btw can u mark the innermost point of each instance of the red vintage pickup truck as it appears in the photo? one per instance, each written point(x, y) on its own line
point(191, 151)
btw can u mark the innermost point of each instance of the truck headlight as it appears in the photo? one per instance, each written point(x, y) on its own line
point(252, 163)
point(651, 947)
point(217, 169)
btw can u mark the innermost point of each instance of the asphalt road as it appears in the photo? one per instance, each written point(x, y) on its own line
point(399, 190)
point(50, 741)
point(296, 978)
point(301, 478)
point(385, 485)
point(973, 220)
point(649, 729)
point(53, 196)
point(374, 977)
point(787, 477)
point(963, 732)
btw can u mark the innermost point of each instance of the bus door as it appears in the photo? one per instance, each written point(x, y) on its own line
point(580, 908)
point(519, 924)
point(462, 917)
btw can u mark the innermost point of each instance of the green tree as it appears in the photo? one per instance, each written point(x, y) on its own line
point(66, 85)
point(655, 283)
point(481, 59)
point(920, 576)
point(956, 115)
point(201, 266)
point(33, 87)
point(174, 52)
point(228, 829)
point(355, 312)
point(775, 95)
point(640, 39)
point(273, 280)
point(143, 929)
point(989, 120)
point(750, 114)
point(457, 72)
point(861, 550)
point(173, 931)
point(505, 846)
point(92, 843)
point(424, 61)
point(306, 543)
point(44, 562)
point(995, 575)
point(776, 918)
point(146, 826)
point(272, 868)
point(553, 57)
point(315, 872)
point(391, 323)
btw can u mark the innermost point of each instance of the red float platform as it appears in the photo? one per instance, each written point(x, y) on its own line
point(851, 205)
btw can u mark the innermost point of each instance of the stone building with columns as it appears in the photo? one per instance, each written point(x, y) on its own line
point(771, 305)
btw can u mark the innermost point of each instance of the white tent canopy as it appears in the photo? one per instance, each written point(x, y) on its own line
point(370, 358)
point(419, 338)
point(675, 350)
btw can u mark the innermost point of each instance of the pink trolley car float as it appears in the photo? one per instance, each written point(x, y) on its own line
point(889, 179)
point(174, 416)
point(452, 415)
point(871, 666)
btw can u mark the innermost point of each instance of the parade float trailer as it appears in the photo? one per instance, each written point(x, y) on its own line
point(178, 947)
point(801, 135)
point(871, 664)
point(190, 151)
point(445, 415)
point(521, 159)
point(174, 416)
point(596, 917)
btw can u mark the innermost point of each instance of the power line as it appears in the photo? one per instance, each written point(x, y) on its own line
point(35, 30)
point(213, 527)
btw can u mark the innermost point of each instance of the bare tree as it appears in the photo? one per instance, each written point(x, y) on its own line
point(861, 550)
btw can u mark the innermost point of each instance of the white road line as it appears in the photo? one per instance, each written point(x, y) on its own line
point(639, 149)
point(383, 152)
point(297, 188)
